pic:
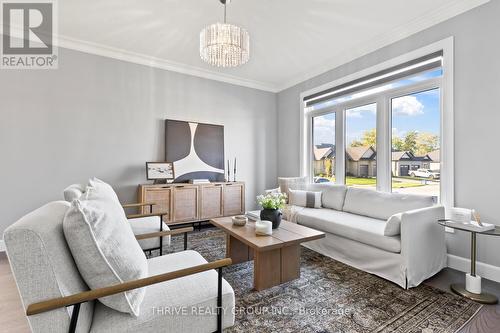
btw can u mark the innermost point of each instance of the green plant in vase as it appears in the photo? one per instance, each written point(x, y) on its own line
point(271, 204)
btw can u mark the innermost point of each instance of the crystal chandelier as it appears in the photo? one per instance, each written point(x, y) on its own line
point(223, 44)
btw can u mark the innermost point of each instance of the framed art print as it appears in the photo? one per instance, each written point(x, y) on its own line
point(159, 170)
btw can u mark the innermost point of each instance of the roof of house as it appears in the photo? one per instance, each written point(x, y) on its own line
point(327, 150)
point(422, 158)
point(363, 152)
point(322, 153)
point(398, 155)
point(408, 155)
point(435, 155)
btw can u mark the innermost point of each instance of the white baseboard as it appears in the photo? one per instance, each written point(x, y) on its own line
point(2, 245)
point(484, 270)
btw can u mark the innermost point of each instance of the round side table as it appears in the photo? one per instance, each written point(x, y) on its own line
point(460, 288)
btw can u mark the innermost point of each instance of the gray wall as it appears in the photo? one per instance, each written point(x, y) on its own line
point(96, 116)
point(477, 115)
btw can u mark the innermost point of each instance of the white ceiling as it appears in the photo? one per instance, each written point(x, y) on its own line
point(291, 40)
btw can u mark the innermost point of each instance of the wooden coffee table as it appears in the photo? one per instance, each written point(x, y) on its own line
point(276, 258)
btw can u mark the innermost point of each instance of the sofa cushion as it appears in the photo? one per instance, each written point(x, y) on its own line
point(161, 310)
point(146, 225)
point(356, 227)
point(333, 195)
point(382, 205)
point(305, 198)
point(393, 225)
point(104, 246)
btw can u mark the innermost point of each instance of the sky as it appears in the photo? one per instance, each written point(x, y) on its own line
point(417, 112)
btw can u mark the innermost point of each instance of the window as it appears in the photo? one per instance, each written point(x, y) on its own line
point(323, 148)
point(416, 127)
point(391, 130)
point(361, 146)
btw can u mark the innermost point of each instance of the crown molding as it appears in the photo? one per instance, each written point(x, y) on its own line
point(142, 59)
point(430, 19)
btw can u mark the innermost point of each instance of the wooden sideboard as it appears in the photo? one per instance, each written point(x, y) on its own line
point(188, 203)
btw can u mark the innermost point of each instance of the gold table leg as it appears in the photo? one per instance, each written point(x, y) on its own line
point(459, 288)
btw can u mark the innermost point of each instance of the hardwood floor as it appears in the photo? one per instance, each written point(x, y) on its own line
point(488, 318)
point(12, 317)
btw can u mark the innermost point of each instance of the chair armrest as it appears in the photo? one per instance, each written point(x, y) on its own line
point(423, 244)
point(91, 295)
point(164, 233)
point(136, 216)
point(138, 204)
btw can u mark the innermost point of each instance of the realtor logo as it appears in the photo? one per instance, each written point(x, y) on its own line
point(28, 35)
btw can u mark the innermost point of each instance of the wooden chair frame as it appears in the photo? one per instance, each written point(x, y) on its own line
point(160, 215)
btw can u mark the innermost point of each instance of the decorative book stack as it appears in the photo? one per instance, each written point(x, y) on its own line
point(199, 181)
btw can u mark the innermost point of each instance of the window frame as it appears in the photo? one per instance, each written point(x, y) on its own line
point(384, 121)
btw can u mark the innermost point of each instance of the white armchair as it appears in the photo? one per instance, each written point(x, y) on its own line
point(56, 298)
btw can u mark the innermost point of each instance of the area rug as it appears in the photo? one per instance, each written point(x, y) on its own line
point(331, 297)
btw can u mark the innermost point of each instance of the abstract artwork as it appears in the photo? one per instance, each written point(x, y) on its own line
point(195, 149)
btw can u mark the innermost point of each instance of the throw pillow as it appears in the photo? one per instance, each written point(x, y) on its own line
point(73, 192)
point(393, 225)
point(104, 247)
point(104, 189)
point(291, 183)
point(305, 198)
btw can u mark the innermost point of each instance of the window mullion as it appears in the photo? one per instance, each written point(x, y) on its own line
point(340, 146)
point(383, 144)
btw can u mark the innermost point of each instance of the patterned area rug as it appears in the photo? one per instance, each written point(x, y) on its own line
point(331, 297)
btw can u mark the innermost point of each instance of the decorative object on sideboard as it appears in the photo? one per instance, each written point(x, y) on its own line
point(160, 171)
point(264, 228)
point(239, 220)
point(234, 173)
point(224, 44)
point(196, 149)
point(476, 217)
point(228, 172)
point(199, 181)
point(271, 204)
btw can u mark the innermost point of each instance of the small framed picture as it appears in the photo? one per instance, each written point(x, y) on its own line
point(159, 170)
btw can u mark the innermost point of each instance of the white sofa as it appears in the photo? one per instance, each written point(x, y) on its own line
point(354, 220)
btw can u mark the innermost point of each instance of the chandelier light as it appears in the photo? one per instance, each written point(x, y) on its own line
point(224, 44)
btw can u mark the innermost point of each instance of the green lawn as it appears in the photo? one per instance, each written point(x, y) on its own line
point(372, 182)
point(360, 181)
